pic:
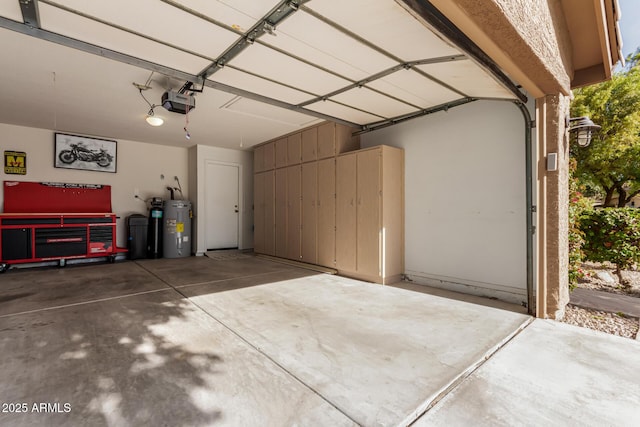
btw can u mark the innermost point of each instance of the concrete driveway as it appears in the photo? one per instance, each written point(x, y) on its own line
point(249, 342)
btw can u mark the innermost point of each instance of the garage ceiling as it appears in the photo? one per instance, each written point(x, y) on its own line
point(264, 68)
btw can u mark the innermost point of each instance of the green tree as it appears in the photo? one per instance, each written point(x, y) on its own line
point(611, 164)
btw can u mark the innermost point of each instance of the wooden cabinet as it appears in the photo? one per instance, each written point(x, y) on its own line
point(310, 145)
point(370, 214)
point(346, 194)
point(264, 213)
point(326, 218)
point(294, 149)
point(294, 194)
point(334, 139)
point(269, 242)
point(268, 156)
point(258, 159)
point(264, 158)
point(319, 201)
point(258, 212)
point(280, 220)
point(309, 237)
point(281, 152)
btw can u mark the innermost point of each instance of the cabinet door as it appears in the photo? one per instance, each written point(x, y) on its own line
point(326, 140)
point(294, 149)
point(269, 156)
point(327, 212)
point(258, 213)
point(269, 213)
point(281, 152)
point(281, 213)
point(294, 211)
point(368, 212)
point(258, 159)
point(346, 212)
point(310, 145)
point(344, 139)
point(309, 239)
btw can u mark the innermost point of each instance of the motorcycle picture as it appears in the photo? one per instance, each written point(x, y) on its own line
point(80, 152)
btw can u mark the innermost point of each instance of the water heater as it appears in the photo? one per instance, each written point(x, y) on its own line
point(176, 239)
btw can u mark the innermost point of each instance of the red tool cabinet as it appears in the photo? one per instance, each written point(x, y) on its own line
point(45, 237)
point(49, 221)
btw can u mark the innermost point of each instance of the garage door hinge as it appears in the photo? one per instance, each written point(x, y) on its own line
point(533, 229)
point(534, 209)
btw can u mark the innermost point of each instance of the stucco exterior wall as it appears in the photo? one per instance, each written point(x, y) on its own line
point(553, 208)
point(527, 38)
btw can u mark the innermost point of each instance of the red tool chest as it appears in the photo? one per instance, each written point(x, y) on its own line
point(48, 221)
point(46, 237)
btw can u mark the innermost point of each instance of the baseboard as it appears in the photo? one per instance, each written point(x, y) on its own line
point(481, 289)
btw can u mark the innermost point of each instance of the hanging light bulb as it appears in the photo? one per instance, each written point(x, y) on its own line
point(153, 120)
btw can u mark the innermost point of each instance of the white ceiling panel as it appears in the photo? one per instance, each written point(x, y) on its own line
point(71, 25)
point(11, 9)
point(343, 112)
point(469, 78)
point(410, 86)
point(311, 39)
point(240, 14)
point(369, 100)
point(169, 24)
point(387, 25)
point(256, 109)
point(267, 62)
point(239, 79)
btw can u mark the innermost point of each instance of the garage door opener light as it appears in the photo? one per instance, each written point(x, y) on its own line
point(151, 118)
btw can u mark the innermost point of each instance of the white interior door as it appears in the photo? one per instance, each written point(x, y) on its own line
point(222, 187)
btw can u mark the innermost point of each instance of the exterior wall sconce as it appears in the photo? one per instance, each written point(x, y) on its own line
point(582, 129)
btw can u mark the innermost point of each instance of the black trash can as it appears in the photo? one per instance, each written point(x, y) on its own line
point(137, 236)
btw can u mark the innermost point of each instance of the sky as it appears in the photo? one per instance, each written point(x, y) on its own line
point(629, 25)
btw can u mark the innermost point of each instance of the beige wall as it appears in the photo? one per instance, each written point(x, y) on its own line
point(465, 207)
point(139, 166)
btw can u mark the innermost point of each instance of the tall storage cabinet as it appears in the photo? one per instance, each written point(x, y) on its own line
point(294, 211)
point(346, 219)
point(370, 214)
point(326, 219)
point(320, 200)
point(280, 218)
point(309, 226)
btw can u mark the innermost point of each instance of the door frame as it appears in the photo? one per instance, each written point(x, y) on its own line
point(241, 204)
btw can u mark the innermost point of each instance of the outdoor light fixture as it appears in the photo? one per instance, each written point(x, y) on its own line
point(154, 120)
point(582, 128)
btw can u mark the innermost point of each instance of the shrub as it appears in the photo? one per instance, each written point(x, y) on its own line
point(578, 205)
point(612, 234)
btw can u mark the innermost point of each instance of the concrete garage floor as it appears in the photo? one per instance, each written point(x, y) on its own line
point(251, 342)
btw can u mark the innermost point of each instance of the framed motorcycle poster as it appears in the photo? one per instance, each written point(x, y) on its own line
point(84, 153)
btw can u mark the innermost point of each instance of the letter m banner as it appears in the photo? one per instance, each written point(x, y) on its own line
point(15, 162)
